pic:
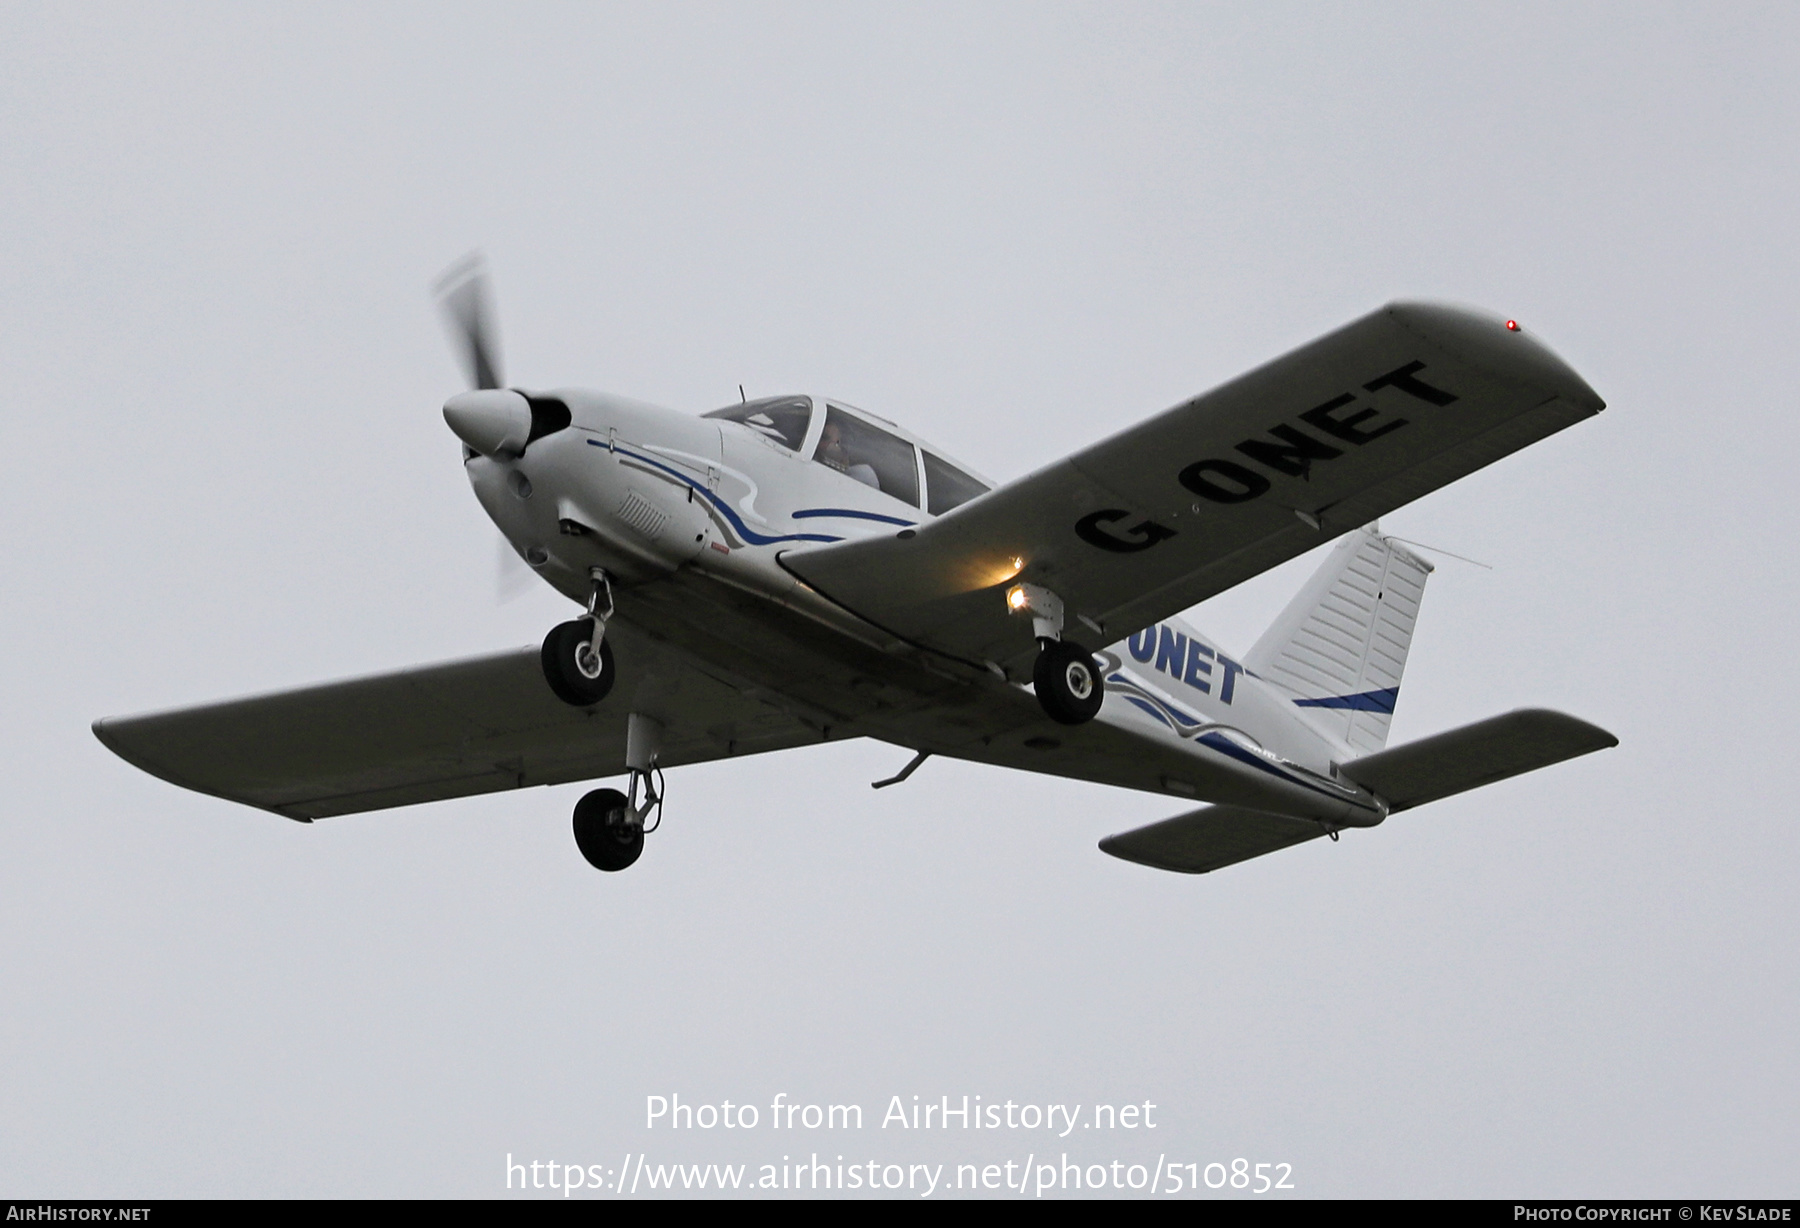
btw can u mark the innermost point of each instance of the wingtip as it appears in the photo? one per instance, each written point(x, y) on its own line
point(1498, 343)
point(1595, 737)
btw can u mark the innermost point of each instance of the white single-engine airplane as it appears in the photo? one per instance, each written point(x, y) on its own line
point(792, 570)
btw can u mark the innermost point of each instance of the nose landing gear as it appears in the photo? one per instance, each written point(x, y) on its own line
point(577, 660)
point(576, 673)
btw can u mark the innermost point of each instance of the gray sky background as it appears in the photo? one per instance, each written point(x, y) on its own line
point(1014, 229)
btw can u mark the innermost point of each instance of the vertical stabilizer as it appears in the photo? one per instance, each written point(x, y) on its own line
point(1340, 646)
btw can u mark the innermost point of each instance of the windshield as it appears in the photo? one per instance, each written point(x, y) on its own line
point(782, 419)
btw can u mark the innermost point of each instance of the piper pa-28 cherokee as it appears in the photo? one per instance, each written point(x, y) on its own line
point(793, 570)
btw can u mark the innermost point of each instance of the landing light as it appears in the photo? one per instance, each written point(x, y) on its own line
point(1016, 598)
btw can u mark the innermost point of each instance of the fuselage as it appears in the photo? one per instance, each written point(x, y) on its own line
point(690, 516)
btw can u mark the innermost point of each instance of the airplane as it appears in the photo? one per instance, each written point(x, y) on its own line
point(790, 570)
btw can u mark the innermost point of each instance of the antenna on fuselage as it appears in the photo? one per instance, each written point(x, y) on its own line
point(741, 397)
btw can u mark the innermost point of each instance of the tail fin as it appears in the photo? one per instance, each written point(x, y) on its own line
point(1340, 646)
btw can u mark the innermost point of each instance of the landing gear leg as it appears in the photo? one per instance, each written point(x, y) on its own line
point(645, 797)
point(602, 588)
point(643, 746)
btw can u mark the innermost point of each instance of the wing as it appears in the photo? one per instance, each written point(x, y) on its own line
point(440, 731)
point(1158, 518)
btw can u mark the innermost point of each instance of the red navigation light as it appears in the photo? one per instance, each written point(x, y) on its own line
point(1512, 326)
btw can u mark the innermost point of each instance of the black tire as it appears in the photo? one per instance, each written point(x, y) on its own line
point(563, 648)
point(601, 835)
point(1068, 683)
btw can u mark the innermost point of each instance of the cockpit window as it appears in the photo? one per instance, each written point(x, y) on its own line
point(782, 419)
point(947, 486)
point(869, 454)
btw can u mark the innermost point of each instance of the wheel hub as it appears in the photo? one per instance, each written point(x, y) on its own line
point(587, 661)
point(1081, 682)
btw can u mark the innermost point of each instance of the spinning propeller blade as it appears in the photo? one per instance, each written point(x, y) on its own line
point(464, 295)
point(512, 576)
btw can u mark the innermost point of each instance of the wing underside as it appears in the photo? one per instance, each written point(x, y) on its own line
point(441, 731)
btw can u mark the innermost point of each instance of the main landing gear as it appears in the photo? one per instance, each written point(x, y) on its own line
point(604, 831)
point(610, 825)
point(1065, 676)
point(1067, 682)
point(578, 664)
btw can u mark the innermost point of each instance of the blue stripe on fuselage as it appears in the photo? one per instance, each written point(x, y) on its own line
point(811, 512)
point(743, 530)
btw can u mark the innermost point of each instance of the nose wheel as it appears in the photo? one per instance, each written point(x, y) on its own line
point(579, 673)
point(577, 660)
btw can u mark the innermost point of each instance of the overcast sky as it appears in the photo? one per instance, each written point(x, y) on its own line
point(1014, 228)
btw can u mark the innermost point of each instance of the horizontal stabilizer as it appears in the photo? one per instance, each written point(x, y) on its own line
point(1475, 755)
point(1210, 838)
point(1406, 776)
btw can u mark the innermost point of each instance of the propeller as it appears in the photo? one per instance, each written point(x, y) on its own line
point(513, 577)
point(464, 295)
point(490, 418)
point(485, 417)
